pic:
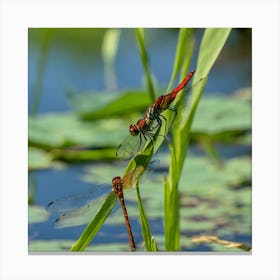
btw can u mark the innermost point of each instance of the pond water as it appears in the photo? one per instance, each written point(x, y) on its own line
point(72, 61)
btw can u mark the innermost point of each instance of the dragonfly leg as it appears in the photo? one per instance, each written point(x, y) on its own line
point(159, 121)
point(164, 118)
point(140, 141)
point(173, 110)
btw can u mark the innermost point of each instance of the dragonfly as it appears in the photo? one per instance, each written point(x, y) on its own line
point(78, 209)
point(144, 129)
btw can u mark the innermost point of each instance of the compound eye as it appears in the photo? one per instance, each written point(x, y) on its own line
point(133, 130)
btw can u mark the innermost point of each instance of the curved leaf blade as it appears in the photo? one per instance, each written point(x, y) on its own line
point(94, 226)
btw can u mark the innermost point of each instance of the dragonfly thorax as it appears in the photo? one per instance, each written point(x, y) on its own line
point(150, 115)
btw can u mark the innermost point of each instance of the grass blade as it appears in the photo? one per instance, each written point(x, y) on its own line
point(150, 243)
point(145, 61)
point(183, 53)
point(94, 226)
point(109, 50)
point(171, 207)
point(215, 39)
point(211, 45)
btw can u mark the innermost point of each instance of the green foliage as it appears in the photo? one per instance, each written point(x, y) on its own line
point(91, 106)
point(109, 51)
point(183, 53)
point(149, 240)
point(211, 45)
point(140, 37)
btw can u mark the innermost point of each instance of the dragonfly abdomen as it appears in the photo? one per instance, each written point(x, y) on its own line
point(117, 187)
point(162, 104)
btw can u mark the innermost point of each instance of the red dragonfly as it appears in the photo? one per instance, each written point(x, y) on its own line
point(144, 128)
point(79, 209)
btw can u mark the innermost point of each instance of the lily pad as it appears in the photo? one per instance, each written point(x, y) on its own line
point(38, 158)
point(232, 172)
point(37, 214)
point(66, 129)
point(65, 245)
point(218, 114)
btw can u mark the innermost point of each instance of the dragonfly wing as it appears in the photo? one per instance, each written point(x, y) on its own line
point(78, 200)
point(79, 216)
point(131, 178)
point(191, 87)
point(129, 146)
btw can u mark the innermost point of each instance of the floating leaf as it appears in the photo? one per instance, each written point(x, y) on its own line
point(65, 129)
point(38, 159)
point(65, 245)
point(37, 214)
point(218, 114)
point(214, 177)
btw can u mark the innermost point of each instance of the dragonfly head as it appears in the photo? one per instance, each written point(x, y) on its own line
point(116, 179)
point(133, 130)
point(117, 184)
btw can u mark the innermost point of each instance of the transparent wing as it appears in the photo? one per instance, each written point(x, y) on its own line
point(131, 178)
point(77, 200)
point(191, 87)
point(130, 146)
point(80, 208)
point(80, 216)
